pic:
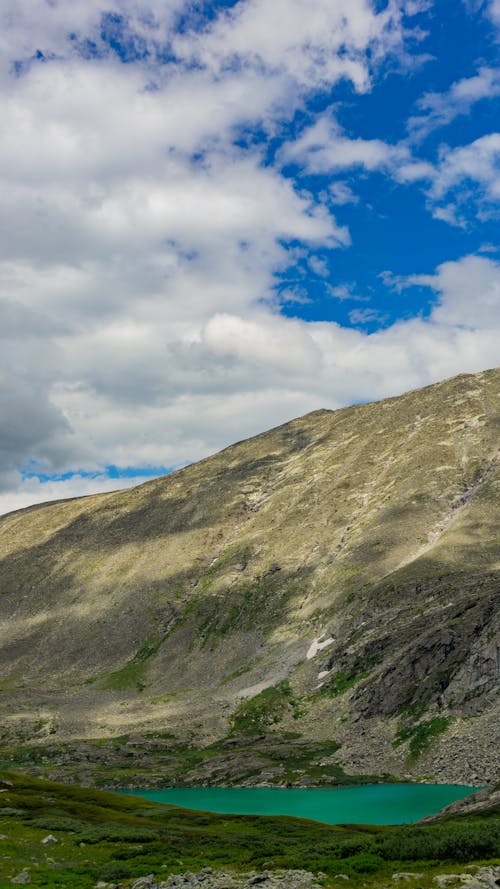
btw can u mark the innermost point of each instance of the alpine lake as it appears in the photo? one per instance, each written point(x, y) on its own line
point(362, 804)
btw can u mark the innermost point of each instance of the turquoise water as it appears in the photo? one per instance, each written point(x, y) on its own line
point(364, 804)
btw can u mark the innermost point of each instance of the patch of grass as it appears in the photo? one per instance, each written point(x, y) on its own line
point(413, 711)
point(421, 735)
point(265, 709)
point(340, 682)
point(240, 672)
point(132, 674)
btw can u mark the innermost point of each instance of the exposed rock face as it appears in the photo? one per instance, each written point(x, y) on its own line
point(336, 577)
point(482, 801)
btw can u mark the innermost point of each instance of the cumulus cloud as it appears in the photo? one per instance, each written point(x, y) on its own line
point(143, 240)
point(469, 292)
point(317, 49)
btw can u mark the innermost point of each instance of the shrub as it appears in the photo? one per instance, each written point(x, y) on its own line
point(454, 842)
point(364, 863)
point(116, 833)
point(114, 870)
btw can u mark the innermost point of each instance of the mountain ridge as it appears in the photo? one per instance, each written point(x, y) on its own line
point(189, 603)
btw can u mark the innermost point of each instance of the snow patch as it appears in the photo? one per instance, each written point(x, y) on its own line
point(317, 645)
point(256, 689)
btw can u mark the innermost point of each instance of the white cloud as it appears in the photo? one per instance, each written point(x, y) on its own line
point(490, 8)
point(30, 26)
point(469, 292)
point(478, 162)
point(364, 316)
point(327, 44)
point(439, 109)
point(345, 291)
point(342, 193)
point(470, 172)
point(324, 148)
point(237, 374)
point(494, 12)
point(463, 182)
point(141, 245)
point(30, 491)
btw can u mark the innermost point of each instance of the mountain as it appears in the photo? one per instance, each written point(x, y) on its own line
point(312, 605)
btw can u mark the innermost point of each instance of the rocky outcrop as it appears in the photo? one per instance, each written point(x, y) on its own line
point(480, 878)
point(486, 799)
point(221, 879)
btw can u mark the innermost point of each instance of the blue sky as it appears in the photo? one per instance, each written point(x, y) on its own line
point(222, 215)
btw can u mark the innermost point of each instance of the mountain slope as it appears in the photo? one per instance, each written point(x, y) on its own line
point(335, 577)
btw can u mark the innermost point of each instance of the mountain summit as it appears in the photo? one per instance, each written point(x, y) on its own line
point(316, 600)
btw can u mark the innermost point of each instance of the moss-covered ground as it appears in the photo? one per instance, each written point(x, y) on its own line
point(112, 837)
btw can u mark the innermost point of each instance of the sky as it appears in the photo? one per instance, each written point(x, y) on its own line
point(218, 215)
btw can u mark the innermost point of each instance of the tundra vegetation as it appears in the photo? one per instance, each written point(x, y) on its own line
point(115, 838)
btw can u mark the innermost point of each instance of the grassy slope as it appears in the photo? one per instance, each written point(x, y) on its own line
point(161, 609)
point(113, 837)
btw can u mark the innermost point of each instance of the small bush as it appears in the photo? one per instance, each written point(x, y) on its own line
point(364, 863)
point(454, 842)
point(352, 847)
point(114, 870)
point(117, 833)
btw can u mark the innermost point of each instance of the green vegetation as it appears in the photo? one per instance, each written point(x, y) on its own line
point(340, 682)
point(413, 711)
point(113, 837)
point(461, 840)
point(421, 735)
point(159, 760)
point(267, 708)
point(132, 674)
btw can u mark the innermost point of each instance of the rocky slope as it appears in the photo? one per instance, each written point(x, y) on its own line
point(317, 598)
